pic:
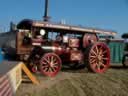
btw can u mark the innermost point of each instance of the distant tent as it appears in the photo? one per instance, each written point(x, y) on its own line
point(125, 36)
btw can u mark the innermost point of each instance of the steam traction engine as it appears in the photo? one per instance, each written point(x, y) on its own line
point(46, 46)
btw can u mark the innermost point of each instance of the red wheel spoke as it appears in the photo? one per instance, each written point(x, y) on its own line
point(44, 63)
point(98, 67)
point(102, 65)
point(55, 67)
point(46, 69)
point(46, 60)
point(93, 52)
point(55, 64)
point(100, 48)
point(50, 69)
point(97, 51)
point(52, 59)
point(100, 51)
point(50, 64)
point(93, 56)
point(99, 58)
point(44, 66)
point(93, 61)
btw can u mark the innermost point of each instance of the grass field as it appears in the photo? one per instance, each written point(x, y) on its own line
point(79, 83)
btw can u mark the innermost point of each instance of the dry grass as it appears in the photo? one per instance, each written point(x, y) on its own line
point(79, 83)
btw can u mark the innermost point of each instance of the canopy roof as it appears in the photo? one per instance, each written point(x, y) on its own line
point(28, 24)
point(125, 35)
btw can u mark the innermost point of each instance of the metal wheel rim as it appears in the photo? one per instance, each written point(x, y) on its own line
point(50, 64)
point(99, 57)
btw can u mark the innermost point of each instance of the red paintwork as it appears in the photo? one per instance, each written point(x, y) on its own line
point(106, 54)
point(74, 42)
point(70, 49)
point(34, 70)
point(76, 55)
point(50, 61)
point(89, 38)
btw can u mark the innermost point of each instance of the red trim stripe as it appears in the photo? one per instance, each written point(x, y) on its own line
point(4, 90)
point(2, 79)
point(4, 84)
point(5, 87)
point(9, 92)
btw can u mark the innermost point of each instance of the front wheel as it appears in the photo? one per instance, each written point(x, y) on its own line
point(50, 64)
point(98, 57)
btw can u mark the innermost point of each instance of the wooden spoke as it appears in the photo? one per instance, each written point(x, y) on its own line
point(97, 51)
point(52, 59)
point(46, 69)
point(46, 60)
point(53, 69)
point(99, 57)
point(98, 67)
point(50, 69)
point(100, 51)
point(52, 63)
point(44, 63)
point(93, 56)
point(55, 64)
point(100, 48)
point(93, 52)
point(49, 58)
point(93, 61)
point(44, 66)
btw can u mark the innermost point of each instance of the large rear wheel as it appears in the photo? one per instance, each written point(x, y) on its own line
point(50, 64)
point(98, 57)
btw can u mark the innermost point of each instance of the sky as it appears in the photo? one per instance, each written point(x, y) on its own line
point(103, 14)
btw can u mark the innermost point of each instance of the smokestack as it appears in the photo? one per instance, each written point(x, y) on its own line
point(46, 17)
